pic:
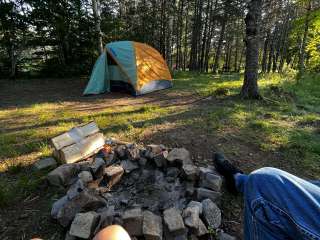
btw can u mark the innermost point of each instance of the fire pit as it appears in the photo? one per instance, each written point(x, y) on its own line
point(154, 192)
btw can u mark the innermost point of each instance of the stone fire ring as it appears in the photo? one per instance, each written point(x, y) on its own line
point(153, 192)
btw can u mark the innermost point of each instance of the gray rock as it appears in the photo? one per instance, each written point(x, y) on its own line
point(113, 174)
point(110, 158)
point(84, 201)
point(174, 222)
point(211, 181)
point(84, 165)
point(107, 195)
point(193, 237)
point(152, 226)
point(196, 204)
point(106, 217)
point(224, 236)
point(158, 176)
point(191, 217)
point(190, 171)
point(84, 224)
point(203, 193)
point(121, 152)
point(85, 176)
point(143, 161)
point(97, 167)
point(132, 221)
point(45, 163)
point(170, 236)
point(113, 170)
point(155, 149)
point(180, 155)
point(204, 170)
point(202, 229)
point(129, 166)
point(57, 205)
point(173, 172)
point(211, 214)
point(63, 175)
point(69, 237)
point(75, 189)
point(190, 188)
point(161, 159)
point(133, 152)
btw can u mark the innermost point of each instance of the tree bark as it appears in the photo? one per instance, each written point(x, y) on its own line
point(97, 18)
point(250, 85)
point(304, 41)
point(265, 53)
point(219, 48)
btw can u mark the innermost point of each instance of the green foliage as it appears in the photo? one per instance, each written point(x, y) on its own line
point(6, 194)
point(313, 46)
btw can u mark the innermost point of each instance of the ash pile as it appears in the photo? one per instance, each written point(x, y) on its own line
point(153, 191)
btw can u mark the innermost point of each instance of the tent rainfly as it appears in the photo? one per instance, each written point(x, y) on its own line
point(135, 66)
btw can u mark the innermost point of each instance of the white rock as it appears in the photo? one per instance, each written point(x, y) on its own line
point(203, 193)
point(174, 221)
point(190, 171)
point(57, 205)
point(62, 175)
point(211, 181)
point(211, 214)
point(180, 155)
point(191, 217)
point(75, 189)
point(152, 226)
point(113, 170)
point(85, 176)
point(224, 236)
point(129, 166)
point(196, 204)
point(202, 229)
point(45, 163)
point(83, 224)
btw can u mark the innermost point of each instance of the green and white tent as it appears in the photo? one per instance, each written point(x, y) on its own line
point(132, 65)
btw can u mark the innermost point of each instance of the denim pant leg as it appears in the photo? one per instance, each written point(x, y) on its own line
point(279, 205)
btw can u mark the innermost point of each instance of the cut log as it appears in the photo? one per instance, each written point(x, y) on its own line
point(83, 149)
point(75, 135)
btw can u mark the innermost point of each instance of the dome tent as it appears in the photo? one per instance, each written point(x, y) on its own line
point(135, 66)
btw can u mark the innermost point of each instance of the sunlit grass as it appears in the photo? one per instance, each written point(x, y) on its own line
point(272, 124)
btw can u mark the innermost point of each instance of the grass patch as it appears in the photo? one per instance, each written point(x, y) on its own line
point(288, 122)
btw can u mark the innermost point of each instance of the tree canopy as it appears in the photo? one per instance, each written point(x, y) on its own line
point(37, 37)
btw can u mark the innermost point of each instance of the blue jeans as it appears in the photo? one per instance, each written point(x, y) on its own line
point(279, 205)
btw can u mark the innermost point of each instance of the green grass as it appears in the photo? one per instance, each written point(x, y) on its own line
point(287, 122)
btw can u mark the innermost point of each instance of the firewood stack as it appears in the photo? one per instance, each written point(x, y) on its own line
point(79, 143)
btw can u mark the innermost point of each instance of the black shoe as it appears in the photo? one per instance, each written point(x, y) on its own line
point(226, 169)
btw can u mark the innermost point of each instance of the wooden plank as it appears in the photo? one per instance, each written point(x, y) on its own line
point(75, 135)
point(83, 149)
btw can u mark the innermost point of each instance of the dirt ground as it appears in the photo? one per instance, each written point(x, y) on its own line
point(31, 216)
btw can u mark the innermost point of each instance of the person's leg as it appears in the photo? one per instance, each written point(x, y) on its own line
point(278, 205)
point(279, 202)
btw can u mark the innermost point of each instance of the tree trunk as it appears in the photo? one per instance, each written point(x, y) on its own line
point(97, 18)
point(185, 42)
point(219, 48)
point(205, 36)
point(241, 58)
point(13, 57)
point(304, 41)
point(271, 51)
point(211, 32)
point(265, 53)
point(250, 85)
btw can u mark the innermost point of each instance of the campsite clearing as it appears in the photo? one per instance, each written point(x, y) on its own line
point(201, 113)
